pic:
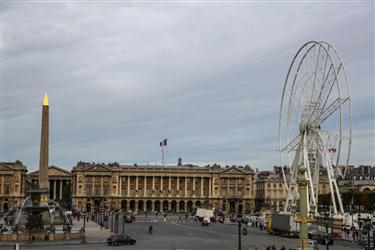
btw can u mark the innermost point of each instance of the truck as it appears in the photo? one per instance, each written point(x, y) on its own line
point(283, 224)
point(204, 214)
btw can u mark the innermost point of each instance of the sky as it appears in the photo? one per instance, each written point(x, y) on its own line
point(122, 76)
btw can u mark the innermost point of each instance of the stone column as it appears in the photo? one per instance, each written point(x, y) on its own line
point(220, 181)
point(54, 189)
point(161, 183)
point(93, 185)
point(209, 186)
point(153, 189)
point(61, 187)
point(201, 186)
point(145, 186)
point(136, 186)
point(185, 186)
point(194, 186)
point(178, 185)
point(119, 183)
point(235, 189)
point(228, 187)
point(169, 183)
point(2, 185)
point(128, 186)
point(101, 186)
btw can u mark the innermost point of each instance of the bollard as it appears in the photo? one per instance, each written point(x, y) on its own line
point(17, 246)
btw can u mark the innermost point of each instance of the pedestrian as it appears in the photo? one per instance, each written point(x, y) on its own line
point(150, 229)
point(283, 248)
point(273, 247)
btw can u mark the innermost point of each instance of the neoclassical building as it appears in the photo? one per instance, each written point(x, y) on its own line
point(271, 191)
point(12, 184)
point(158, 188)
point(58, 178)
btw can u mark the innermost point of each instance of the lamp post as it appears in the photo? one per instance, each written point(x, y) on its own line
point(303, 218)
point(239, 217)
point(123, 223)
point(359, 225)
point(84, 229)
point(116, 223)
point(111, 221)
point(84, 220)
point(368, 229)
point(101, 219)
point(326, 222)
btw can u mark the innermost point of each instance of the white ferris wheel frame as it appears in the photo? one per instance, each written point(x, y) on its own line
point(300, 142)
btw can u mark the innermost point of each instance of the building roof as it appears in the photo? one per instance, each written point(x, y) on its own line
point(52, 171)
point(11, 166)
point(84, 166)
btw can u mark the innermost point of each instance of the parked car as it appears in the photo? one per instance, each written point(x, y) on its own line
point(117, 239)
point(321, 238)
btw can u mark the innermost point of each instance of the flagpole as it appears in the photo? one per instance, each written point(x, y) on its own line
point(162, 155)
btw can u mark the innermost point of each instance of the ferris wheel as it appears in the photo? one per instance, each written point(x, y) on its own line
point(315, 123)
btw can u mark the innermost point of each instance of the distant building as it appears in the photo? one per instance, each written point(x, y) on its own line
point(12, 184)
point(271, 191)
point(361, 178)
point(158, 188)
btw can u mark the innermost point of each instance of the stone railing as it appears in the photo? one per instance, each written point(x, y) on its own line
point(42, 236)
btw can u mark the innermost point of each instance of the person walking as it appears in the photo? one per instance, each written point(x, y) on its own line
point(150, 229)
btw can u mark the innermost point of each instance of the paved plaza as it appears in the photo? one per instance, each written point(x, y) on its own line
point(176, 234)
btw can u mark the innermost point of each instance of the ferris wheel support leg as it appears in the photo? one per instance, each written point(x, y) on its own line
point(329, 174)
point(311, 198)
point(338, 197)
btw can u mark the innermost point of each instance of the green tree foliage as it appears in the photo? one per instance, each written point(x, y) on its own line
point(67, 194)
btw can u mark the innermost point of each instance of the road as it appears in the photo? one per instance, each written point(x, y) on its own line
point(180, 234)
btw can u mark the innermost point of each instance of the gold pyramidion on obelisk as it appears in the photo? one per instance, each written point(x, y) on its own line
point(45, 100)
point(43, 160)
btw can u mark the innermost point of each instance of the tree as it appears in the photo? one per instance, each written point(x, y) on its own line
point(67, 194)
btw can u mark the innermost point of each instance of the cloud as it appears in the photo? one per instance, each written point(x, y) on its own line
point(120, 77)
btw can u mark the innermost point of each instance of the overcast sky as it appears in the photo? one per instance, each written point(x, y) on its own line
point(208, 76)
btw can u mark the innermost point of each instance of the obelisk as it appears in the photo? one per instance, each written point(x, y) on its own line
point(43, 159)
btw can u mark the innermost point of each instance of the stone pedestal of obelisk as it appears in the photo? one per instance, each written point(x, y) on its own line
point(43, 160)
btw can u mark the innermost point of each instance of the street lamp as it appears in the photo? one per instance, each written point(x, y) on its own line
point(326, 221)
point(368, 227)
point(239, 217)
point(359, 225)
point(111, 221)
point(123, 223)
point(116, 223)
point(84, 220)
point(84, 229)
